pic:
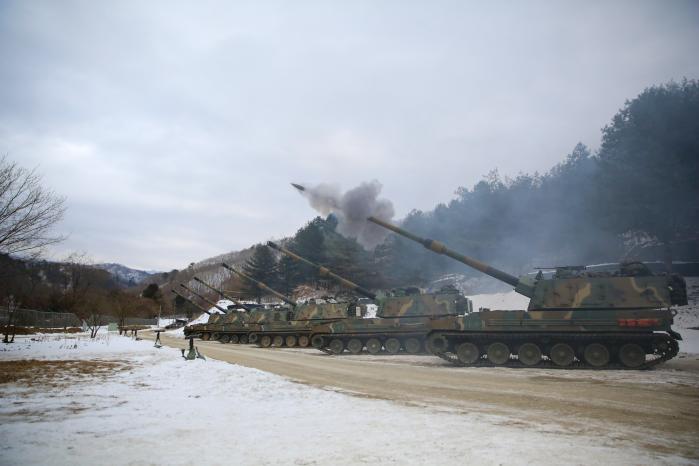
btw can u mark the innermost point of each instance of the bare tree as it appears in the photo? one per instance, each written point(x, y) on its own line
point(27, 210)
point(82, 291)
point(10, 328)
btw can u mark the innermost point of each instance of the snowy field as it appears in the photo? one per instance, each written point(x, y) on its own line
point(153, 407)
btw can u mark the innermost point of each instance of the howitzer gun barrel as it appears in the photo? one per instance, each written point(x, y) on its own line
point(324, 271)
point(260, 284)
point(190, 301)
point(204, 299)
point(439, 248)
point(222, 294)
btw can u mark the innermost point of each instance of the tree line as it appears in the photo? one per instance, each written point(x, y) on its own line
point(637, 197)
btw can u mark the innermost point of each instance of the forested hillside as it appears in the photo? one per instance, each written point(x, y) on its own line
point(636, 198)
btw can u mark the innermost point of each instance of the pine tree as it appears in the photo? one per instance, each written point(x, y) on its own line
point(288, 275)
point(309, 242)
point(262, 266)
point(650, 165)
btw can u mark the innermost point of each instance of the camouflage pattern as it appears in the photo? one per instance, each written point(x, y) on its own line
point(237, 326)
point(576, 318)
point(401, 314)
point(321, 311)
point(444, 303)
point(290, 327)
point(403, 323)
point(296, 331)
point(602, 293)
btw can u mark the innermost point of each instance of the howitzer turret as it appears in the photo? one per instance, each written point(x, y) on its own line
point(520, 285)
point(222, 294)
point(324, 272)
point(260, 284)
point(190, 301)
point(632, 287)
point(203, 298)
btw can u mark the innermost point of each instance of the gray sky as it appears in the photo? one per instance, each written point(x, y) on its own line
point(174, 128)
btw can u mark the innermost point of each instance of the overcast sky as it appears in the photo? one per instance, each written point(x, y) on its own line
point(174, 128)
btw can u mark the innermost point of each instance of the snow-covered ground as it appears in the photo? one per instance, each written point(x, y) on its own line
point(162, 409)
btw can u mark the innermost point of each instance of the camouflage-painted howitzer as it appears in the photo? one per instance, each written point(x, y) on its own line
point(231, 328)
point(203, 330)
point(576, 318)
point(402, 322)
point(294, 330)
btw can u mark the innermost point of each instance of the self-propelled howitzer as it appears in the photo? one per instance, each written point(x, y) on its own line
point(575, 318)
point(295, 330)
point(214, 318)
point(231, 328)
point(402, 322)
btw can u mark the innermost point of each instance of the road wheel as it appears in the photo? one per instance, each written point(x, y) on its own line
point(413, 345)
point(373, 346)
point(318, 342)
point(252, 338)
point(596, 355)
point(468, 353)
point(290, 341)
point(498, 353)
point(235, 339)
point(243, 339)
point(278, 341)
point(437, 343)
point(632, 355)
point(304, 341)
point(265, 341)
point(224, 339)
point(336, 346)
point(392, 345)
point(562, 354)
point(205, 336)
point(355, 346)
point(529, 354)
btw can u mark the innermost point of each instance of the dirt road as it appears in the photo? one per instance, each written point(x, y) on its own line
point(656, 410)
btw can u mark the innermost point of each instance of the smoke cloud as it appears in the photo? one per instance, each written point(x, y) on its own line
point(352, 209)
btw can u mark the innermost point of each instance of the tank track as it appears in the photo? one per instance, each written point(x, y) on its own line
point(546, 363)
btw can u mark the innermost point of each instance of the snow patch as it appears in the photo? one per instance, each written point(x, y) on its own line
point(508, 301)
